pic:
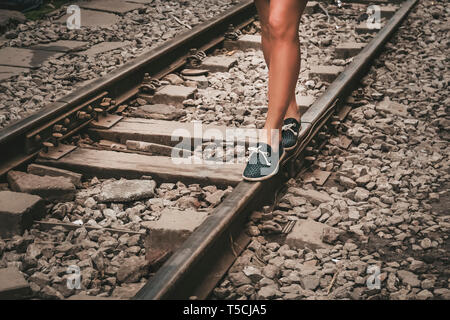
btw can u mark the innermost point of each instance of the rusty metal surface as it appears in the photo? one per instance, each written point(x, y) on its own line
point(182, 275)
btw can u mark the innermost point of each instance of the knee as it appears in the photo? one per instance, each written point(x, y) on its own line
point(281, 29)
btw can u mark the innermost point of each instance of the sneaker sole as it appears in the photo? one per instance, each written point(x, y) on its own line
point(268, 176)
point(291, 148)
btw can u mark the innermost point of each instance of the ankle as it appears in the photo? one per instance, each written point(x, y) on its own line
point(292, 113)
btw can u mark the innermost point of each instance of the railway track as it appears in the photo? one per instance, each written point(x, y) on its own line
point(132, 147)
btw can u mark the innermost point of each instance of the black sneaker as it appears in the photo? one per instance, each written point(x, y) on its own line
point(289, 133)
point(262, 162)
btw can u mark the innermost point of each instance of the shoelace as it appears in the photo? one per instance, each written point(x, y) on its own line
point(289, 126)
point(257, 150)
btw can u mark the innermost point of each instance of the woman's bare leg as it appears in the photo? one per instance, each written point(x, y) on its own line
point(284, 63)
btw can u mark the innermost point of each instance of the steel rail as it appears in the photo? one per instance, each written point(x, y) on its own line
point(183, 274)
point(124, 81)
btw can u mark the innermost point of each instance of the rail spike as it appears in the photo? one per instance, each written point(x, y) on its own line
point(232, 34)
point(149, 85)
point(195, 57)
